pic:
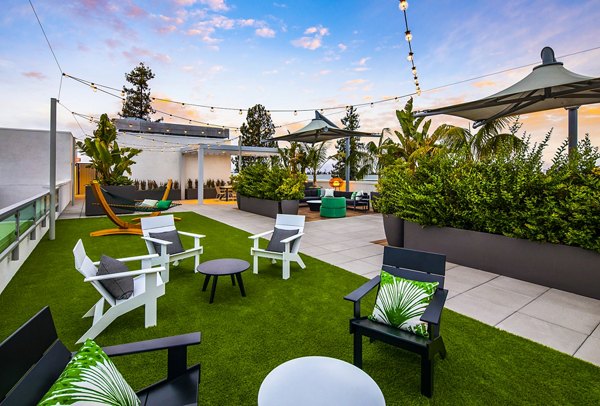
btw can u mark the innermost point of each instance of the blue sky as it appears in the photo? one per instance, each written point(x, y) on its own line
point(287, 55)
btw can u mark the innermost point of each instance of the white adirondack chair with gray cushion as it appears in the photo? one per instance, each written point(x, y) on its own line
point(166, 224)
point(148, 286)
point(284, 244)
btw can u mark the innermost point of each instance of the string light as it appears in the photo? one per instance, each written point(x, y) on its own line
point(295, 112)
point(212, 109)
point(241, 112)
point(403, 6)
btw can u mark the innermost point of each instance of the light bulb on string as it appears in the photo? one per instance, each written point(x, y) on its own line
point(408, 35)
point(241, 112)
point(403, 5)
point(295, 112)
point(414, 70)
point(410, 57)
point(418, 91)
point(122, 93)
point(212, 109)
point(372, 105)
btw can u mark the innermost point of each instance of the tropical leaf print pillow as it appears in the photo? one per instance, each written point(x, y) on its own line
point(90, 378)
point(401, 303)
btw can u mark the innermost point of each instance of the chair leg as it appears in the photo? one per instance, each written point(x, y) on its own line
point(426, 375)
point(286, 269)
point(150, 313)
point(300, 261)
point(196, 262)
point(358, 350)
point(255, 264)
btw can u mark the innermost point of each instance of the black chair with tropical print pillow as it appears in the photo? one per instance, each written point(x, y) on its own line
point(408, 309)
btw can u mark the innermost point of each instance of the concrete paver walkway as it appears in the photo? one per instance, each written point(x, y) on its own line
point(561, 320)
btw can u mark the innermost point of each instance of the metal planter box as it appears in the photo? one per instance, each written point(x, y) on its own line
point(563, 267)
point(269, 208)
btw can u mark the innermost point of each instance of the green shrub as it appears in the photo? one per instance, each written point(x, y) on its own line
point(508, 193)
point(273, 183)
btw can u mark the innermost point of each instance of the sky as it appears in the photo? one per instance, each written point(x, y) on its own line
point(288, 55)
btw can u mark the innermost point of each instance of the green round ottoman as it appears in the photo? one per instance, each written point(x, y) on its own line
point(333, 207)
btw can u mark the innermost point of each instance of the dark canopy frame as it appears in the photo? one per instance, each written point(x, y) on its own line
point(548, 86)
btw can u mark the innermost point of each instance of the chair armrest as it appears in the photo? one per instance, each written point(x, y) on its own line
point(124, 274)
point(164, 343)
point(175, 345)
point(191, 234)
point(292, 238)
point(156, 240)
point(129, 259)
point(361, 292)
point(255, 236)
point(433, 312)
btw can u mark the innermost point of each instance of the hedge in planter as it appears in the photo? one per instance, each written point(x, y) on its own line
point(272, 183)
point(508, 193)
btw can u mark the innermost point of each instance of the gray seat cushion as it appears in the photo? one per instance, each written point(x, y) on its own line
point(172, 236)
point(119, 288)
point(275, 245)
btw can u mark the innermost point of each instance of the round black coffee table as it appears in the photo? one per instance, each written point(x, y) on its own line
point(314, 205)
point(221, 267)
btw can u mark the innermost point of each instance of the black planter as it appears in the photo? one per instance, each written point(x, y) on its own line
point(209, 193)
point(191, 193)
point(264, 207)
point(572, 269)
point(394, 230)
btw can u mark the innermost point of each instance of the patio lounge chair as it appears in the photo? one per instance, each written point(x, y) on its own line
point(148, 286)
point(165, 224)
point(285, 249)
point(33, 357)
point(417, 266)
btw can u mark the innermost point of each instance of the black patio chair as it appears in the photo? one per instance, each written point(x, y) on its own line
point(413, 265)
point(33, 358)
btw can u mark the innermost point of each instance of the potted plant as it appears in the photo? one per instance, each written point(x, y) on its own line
point(111, 162)
point(268, 190)
point(504, 213)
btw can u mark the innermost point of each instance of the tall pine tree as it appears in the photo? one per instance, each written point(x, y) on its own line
point(358, 151)
point(137, 98)
point(257, 131)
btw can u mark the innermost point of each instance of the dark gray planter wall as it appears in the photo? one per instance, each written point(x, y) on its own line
point(394, 230)
point(191, 193)
point(557, 266)
point(269, 208)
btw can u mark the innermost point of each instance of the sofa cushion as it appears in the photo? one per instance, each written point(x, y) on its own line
point(90, 378)
point(172, 236)
point(119, 288)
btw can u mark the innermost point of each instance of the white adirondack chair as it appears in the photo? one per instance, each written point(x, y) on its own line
point(148, 286)
point(292, 244)
point(161, 224)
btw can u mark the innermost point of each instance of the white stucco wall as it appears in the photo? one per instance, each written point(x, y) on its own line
point(215, 167)
point(25, 162)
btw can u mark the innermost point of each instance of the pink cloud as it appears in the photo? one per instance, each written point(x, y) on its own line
point(34, 75)
point(265, 32)
point(135, 11)
point(135, 54)
point(314, 40)
point(112, 43)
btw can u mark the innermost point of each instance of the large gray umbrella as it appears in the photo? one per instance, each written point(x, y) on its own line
point(548, 86)
point(321, 129)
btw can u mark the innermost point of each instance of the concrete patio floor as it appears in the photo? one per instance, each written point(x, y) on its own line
point(561, 320)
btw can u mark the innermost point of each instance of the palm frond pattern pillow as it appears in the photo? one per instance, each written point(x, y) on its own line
point(90, 378)
point(401, 303)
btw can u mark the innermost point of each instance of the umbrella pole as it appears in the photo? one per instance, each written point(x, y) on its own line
point(572, 128)
point(347, 164)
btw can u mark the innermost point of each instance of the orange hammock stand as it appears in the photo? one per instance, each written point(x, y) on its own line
point(124, 227)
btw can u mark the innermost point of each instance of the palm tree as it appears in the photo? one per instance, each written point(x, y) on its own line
point(486, 141)
point(315, 158)
point(293, 157)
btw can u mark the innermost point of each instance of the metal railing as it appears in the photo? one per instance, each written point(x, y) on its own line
point(20, 220)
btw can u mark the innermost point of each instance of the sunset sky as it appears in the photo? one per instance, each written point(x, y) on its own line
point(288, 55)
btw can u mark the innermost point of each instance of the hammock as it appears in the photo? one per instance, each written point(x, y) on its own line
point(123, 202)
point(125, 227)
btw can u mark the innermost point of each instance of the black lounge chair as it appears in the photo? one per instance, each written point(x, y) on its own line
point(33, 358)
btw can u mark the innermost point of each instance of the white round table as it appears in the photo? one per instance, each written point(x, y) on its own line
point(319, 381)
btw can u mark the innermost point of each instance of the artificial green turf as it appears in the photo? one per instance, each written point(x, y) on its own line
point(243, 339)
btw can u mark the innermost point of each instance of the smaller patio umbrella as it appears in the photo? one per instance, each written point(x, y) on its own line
point(321, 129)
point(548, 86)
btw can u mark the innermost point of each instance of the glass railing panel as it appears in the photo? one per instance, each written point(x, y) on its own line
point(26, 218)
point(39, 208)
point(8, 232)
